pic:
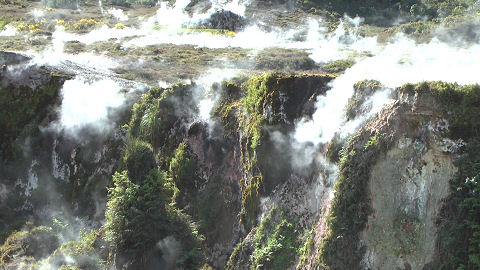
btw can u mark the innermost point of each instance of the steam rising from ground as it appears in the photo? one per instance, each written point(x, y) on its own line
point(324, 46)
point(8, 31)
point(172, 25)
point(393, 64)
point(206, 92)
point(88, 103)
point(399, 62)
point(118, 14)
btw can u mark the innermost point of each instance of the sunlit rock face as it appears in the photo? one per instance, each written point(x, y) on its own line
point(407, 188)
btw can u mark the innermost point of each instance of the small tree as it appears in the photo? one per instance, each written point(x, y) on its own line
point(136, 215)
point(138, 159)
point(182, 168)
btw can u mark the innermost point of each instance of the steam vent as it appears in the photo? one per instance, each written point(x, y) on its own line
point(239, 134)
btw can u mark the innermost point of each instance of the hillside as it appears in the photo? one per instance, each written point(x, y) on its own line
point(239, 135)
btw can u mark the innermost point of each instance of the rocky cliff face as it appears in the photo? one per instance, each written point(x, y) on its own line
point(237, 191)
point(394, 184)
point(407, 188)
point(46, 173)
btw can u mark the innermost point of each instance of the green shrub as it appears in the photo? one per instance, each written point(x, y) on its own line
point(373, 142)
point(82, 254)
point(139, 159)
point(28, 246)
point(339, 66)
point(3, 23)
point(351, 206)
point(182, 168)
point(141, 211)
point(279, 251)
point(136, 216)
point(154, 118)
point(333, 150)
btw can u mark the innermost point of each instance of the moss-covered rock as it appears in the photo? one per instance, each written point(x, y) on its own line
point(85, 253)
point(27, 247)
point(273, 244)
point(338, 66)
point(22, 105)
point(270, 100)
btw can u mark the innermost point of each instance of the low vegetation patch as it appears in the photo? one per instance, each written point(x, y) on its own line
point(351, 204)
point(338, 66)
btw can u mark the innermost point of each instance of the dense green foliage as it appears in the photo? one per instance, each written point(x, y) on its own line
point(338, 66)
point(138, 216)
point(132, 209)
point(460, 238)
point(278, 250)
point(156, 115)
point(275, 245)
point(350, 206)
point(375, 10)
point(140, 211)
point(31, 245)
point(182, 169)
point(139, 159)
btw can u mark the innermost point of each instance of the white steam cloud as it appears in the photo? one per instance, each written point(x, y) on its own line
point(171, 25)
point(88, 103)
point(322, 45)
point(234, 6)
point(372, 106)
point(206, 95)
point(38, 13)
point(399, 62)
point(8, 31)
point(118, 14)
